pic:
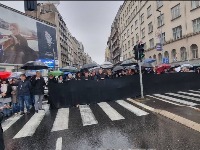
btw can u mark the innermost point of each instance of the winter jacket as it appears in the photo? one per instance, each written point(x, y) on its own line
point(24, 88)
point(8, 91)
point(37, 85)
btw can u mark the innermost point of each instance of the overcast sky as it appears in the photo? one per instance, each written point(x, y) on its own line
point(89, 21)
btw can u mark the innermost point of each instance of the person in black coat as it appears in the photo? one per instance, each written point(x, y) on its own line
point(78, 76)
point(51, 80)
point(38, 84)
point(101, 75)
point(2, 146)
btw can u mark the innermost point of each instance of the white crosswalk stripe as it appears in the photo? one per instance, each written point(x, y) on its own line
point(9, 122)
point(132, 108)
point(112, 113)
point(183, 96)
point(176, 100)
point(187, 93)
point(194, 91)
point(30, 127)
point(87, 116)
point(61, 121)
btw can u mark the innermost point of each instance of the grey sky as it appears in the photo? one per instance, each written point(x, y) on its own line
point(88, 21)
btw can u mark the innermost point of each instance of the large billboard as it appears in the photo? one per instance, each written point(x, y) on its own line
point(25, 39)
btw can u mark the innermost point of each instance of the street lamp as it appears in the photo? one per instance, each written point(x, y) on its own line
point(161, 44)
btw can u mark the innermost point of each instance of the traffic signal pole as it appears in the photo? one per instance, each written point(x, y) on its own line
point(141, 81)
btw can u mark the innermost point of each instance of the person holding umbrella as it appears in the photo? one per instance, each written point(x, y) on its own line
point(38, 84)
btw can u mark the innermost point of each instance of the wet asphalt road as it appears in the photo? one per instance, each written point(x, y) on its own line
point(151, 131)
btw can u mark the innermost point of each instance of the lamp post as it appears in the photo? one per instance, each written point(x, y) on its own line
point(161, 44)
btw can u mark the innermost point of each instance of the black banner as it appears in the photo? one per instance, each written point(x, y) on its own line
point(85, 92)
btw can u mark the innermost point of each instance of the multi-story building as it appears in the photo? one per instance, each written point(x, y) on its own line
point(113, 41)
point(174, 24)
point(107, 54)
point(49, 12)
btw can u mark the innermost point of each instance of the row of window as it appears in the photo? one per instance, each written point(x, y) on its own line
point(175, 12)
point(177, 34)
point(183, 54)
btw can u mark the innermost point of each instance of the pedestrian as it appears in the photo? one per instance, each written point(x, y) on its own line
point(60, 79)
point(109, 74)
point(51, 80)
point(2, 146)
point(86, 76)
point(6, 90)
point(70, 77)
point(38, 84)
point(24, 91)
point(101, 75)
point(93, 75)
point(78, 76)
point(15, 104)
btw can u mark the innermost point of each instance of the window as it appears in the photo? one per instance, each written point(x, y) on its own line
point(132, 41)
point(150, 27)
point(163, 37)
point(194, 4)
point(134, 12)
point(175, 11)
point(136, 24)
point(159, 3)
point(125, 12)
point(160, 20)
point(151, 43)
point(142, 18)
point(166, 54)
point(159, 58)
point(149, 11)
point(173, 54)
point(194, 51)
point(183, 54)
point(145, 46)
point(137, 37)
point(121, 20)
point(129, 54)
point(122, 37)
point(136, 9)
point(125, 47)
point(129, 44)
point(196, 25)
point(177, 32)
point(128, 33)
point(132, 29)
point(123, 17)
point(143, 32)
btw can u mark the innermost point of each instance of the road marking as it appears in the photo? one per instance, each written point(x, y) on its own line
point(87, 116)
point(189, 93)
point(176, 100)
point(30, 127)
point(179, 119)
point(62, 120)
point(194, 91)
point(132, 108)
point(59, 143)
point(165, 100)
point(9, 122)
point(183, 96)
point(111, 112)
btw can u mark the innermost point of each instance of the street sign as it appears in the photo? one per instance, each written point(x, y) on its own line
point(158, 47)
point(165, 61)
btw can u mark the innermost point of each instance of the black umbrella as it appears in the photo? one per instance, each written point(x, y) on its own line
point(69, 69)
point(34, 65)
point(88, 66)
point(147, 65)
point(107, 63)
point(128, 63)
point(131, 67)
point(117, 68)
point(107, 66)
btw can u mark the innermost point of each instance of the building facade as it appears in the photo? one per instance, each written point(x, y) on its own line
point(70, 51)
point(173, 24)
point(107, 54)
point(114, 40)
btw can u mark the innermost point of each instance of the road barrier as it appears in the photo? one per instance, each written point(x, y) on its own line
point(85, 92)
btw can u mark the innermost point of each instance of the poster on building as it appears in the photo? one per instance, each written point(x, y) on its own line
point(24, 39)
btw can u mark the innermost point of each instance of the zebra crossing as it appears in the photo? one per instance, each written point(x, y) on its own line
point(62, 118)
point(61, 121)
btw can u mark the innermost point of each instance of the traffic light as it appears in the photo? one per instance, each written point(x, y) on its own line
point(135, 49)
point(30, 5)
point(141, 51)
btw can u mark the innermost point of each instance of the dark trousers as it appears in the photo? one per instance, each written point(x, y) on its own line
point(2, 146)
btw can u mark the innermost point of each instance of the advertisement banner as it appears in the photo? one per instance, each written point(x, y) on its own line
point(24, 39)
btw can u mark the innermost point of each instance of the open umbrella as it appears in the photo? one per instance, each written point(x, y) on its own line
point(128, 63)
point(131, 67)
point(5, 75)
point(88, 66)
point(55, 73)
point(107, 66)
point(117, 68)
point(149, 60)
point(107, 63)
point(69, 69)
point(162, 67)
point(147, 65)
point(34, 65)
point(186, 65)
